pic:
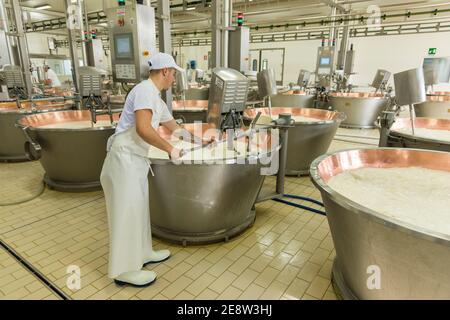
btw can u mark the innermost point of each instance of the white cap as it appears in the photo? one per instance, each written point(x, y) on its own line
point(162, 60)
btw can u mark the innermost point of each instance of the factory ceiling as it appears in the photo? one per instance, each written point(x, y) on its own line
point(194, 15)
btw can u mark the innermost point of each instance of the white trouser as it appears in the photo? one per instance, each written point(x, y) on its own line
point(124, 179)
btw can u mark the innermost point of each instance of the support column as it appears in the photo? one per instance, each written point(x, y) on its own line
point(165, 40)
point(23, 49)
point(74, 22)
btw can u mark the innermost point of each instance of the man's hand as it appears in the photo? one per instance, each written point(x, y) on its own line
point(176, 154)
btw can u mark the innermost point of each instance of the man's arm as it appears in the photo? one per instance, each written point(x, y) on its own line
point(149, 135)
point(172, 125)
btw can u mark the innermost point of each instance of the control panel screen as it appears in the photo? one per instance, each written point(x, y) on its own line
point(123, 45)
point(325, 61)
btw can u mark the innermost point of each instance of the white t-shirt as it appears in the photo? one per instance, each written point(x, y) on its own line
point(51, 75)
point(145, 95)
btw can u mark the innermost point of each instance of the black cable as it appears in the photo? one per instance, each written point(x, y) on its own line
point(300, 206)
point(304, 198)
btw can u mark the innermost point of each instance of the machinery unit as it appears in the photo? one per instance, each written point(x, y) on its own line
point(381, 79)
point(133, 40)
point(349, 62)
point(325, 66)
point(436, 70)
point(95, 53)
point(227, 99)
point(303, 78)
point(12, 83)
point(239, 49)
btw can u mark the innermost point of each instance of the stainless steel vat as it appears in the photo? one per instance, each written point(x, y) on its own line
point(306, 140)
point(11, 138)
point(412, 262)
point(293, 99)
point(200, 93)
point(436, 106)
point(362, 109)
point(190, 110)
point(202, 203)
point(72, 158)
point(405, 140)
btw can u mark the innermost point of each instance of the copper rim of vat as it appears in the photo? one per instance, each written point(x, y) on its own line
point(327, 166)
point(440, 96)
point(358, 95)
point(40, 106)
point(37, 121)
point(324, 115)
point(296, 92)
point(262, 141)
point(428, 123)
point(190, 105)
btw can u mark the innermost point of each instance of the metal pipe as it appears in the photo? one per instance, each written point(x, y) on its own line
point(165, 41)
point(5, 28)
point(22, 42)
point(225, 14)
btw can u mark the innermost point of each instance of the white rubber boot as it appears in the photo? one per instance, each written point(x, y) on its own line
point(157, 256)
point(140, 278)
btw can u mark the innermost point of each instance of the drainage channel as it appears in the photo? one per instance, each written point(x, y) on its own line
point(27, 265)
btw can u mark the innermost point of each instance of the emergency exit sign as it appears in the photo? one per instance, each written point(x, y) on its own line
point(432, 51)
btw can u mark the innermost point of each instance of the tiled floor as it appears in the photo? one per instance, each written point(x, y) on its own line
point(287, 254)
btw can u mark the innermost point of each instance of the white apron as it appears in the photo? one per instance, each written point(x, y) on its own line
point(125, 184)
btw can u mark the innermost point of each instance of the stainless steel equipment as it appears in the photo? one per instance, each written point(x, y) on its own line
point(228, 95)
point(71, 157)
point(381, 80)
point(133, 40)
point(325, 66)
point(239, 49)
point(200, 202)
point(361, 109)
point(410, 89)
point(436, 106)
point(398, 139)
point(303, 78)
point(267, 85)
point(12, 139)
point(413, 262)
point(436, 70)
point(307, 140)
point(190, 110)
point(293, 99)
point(197, 93)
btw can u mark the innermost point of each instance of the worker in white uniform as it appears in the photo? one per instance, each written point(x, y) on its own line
point(124, 174)
point(51, 78)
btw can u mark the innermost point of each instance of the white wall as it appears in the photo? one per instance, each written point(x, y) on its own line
point(393, 53)
point(37, 43)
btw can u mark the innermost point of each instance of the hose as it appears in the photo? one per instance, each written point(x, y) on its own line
point(39, 193)
point(292, 204)
point(303, 198)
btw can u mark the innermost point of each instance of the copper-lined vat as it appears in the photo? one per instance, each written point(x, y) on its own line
point(72, 158)
point(361, 108)
point(12, 139)
point(407, 140)
point(190, 110)
point(293, 99)
point(306, 140)
point(413, 261)
point(201, 202)
point(436, 106)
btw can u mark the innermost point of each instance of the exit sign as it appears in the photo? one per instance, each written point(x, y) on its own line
point(432, 51)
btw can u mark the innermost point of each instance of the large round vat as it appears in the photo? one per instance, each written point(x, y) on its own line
point(293, 99)
point(436, 106)
point(378, 256)
point(400, 134)
point(306, 140)
point(362, 109)
point(192, 203)
point(190, 110)
point(12, 139)
point(199, 93)
point(72, 153)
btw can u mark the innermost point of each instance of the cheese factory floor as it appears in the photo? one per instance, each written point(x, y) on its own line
point(287, 254)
